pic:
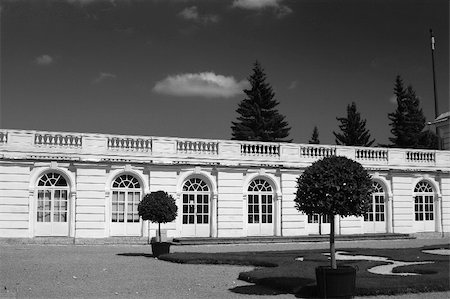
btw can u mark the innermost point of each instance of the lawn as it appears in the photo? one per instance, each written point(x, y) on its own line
point(294, 271)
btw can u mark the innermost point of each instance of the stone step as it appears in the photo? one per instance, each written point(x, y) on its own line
point(196, 241)
point(275, 239)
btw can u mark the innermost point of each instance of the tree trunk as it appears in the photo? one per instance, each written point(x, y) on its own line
point(159, 232)
point(332, 246)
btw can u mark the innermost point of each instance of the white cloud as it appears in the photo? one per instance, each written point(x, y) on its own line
point(280, 9)
point(103, 77)
point(191, 13)
point(44, 60)
point(206, 84)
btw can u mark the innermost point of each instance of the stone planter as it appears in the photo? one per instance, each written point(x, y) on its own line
point(159, 248)
point(336, 283)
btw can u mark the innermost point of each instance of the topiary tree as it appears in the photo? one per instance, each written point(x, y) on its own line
point(158, 207)
point(334, 186)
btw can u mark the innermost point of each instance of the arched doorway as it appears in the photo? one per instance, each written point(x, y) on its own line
point(424, 211)
point(52, 209)
point(196, 208)
point(375, 218)
point(260, 208)
point(126, 193)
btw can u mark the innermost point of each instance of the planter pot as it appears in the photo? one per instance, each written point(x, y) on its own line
point(159, 248)
point(336, 283)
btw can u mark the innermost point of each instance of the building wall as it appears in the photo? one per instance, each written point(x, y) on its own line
point(227, 168)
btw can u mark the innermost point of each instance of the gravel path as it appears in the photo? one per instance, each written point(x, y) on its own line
point(51, 271)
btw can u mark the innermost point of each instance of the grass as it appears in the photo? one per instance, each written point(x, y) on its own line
point(280, 269)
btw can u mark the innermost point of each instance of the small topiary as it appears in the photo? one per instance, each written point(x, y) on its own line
point(334, 186)
point(158, 207)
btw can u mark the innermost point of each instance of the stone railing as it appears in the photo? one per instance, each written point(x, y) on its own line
point(371, 154)
point(58, 140)
point(3, 137)
point(197, 147)
point(260, 149)
point(20, 144)
point(420, 156)
point(317, 151)
point(130, 144)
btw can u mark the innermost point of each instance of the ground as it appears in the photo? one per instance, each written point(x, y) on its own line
point(57, 271)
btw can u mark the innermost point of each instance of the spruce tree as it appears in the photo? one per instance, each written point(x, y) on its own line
point(315, 136)
point(354, 132)
point(408, 121)
point(258, 118)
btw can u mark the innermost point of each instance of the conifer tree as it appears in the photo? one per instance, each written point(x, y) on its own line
point(258, 118)
point(315, 136)
point(354, 132)
point(408, 120)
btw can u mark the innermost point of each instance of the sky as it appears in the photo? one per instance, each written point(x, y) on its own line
point(178, 68)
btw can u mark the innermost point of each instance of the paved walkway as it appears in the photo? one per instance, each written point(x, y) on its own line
point(120, 271)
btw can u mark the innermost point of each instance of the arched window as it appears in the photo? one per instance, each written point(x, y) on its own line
point(260, 202)
point(126, 195)
point(52, 205)
point(52, 198)
point(195, 202)
point(423, 202)
point(376, 209)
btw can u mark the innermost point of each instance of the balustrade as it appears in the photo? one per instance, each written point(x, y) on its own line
point(317, 152)
point(259, 149)
point(372, 154)
point(419, 156)
point(58, 140)
point(130, 144)
point(3, 137)
point(197, 147)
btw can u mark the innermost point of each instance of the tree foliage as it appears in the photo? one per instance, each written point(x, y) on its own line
point(258, 119)
point(408, 121)
point(315, 136)
point(158, 207)
point(334, 186)
point(353, 128)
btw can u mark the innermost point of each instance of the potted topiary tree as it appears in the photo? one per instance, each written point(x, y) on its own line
point(158, 207)
point(334, 186)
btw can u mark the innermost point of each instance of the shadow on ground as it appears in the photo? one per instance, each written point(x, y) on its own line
point(135, 254)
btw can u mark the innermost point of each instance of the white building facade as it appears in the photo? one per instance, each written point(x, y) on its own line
point(81, 185)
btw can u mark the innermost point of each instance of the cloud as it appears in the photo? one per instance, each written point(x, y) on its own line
point(44, 60)
point(206, 84)
point(293, 84)
point(103, 77)
point(279, 9)
point(192, 14)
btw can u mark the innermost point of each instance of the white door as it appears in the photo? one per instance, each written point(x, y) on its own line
point(424, 211)
point(125, 197)
point(260, 215)
point(52, 206)
point(318, 225)
point(260, 209)
point(375, 218)
point(196, 209)
point(52, 213)
point(125, 220)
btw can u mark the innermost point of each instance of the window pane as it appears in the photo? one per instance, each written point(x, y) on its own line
point(185, 219)
point(199, 219)
point(205, 219)
point(269, 219)
point(205, 209)
point(191, 219)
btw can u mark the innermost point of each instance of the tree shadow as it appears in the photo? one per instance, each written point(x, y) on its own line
point(136, 254)
point(299, 286)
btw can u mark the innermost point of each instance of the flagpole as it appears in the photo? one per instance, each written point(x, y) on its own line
point(434, 76)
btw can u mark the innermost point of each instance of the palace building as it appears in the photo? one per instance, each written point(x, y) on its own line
point(80, 185)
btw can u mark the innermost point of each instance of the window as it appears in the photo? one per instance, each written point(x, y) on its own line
point(423, 202)
point(126, 195)
point(314, 218)
point(195, 202)
point(52, 198)
point(377, 205)
point(260, 202)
